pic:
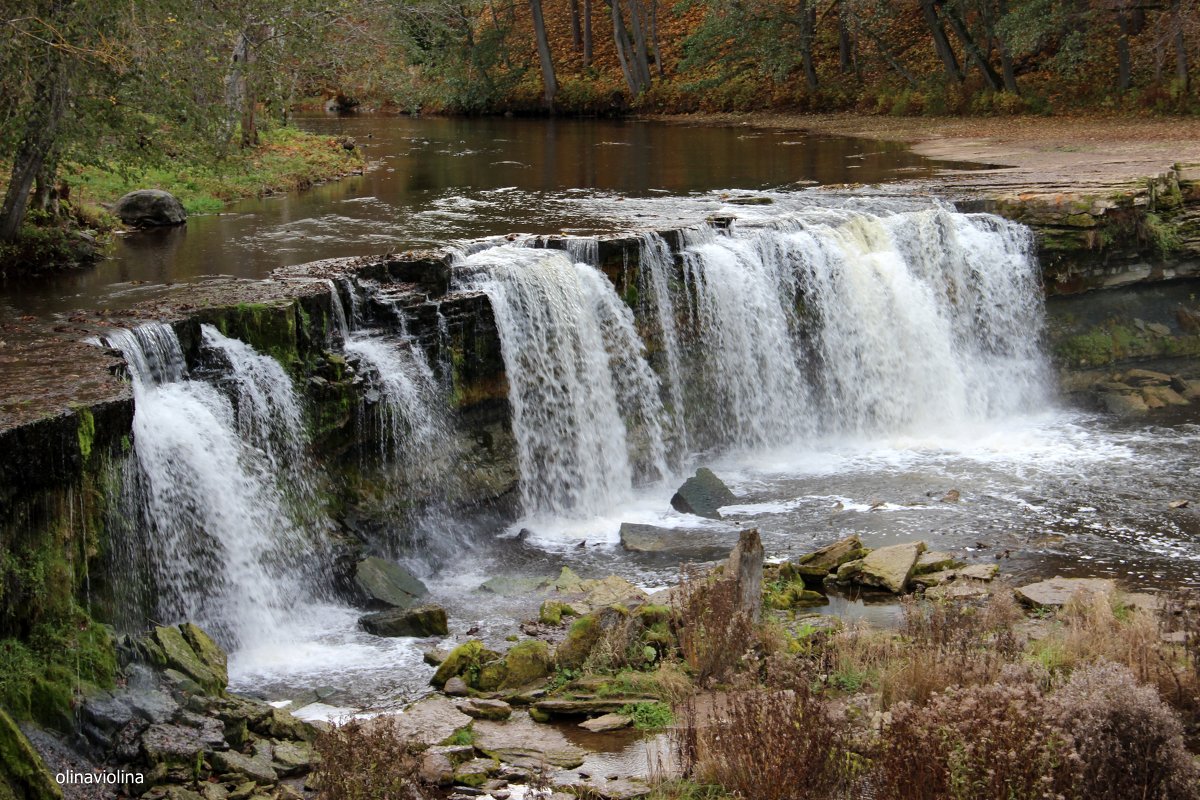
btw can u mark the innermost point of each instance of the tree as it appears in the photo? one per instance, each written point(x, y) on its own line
point(549, 84)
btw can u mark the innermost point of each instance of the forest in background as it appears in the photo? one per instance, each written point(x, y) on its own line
point(126, 88)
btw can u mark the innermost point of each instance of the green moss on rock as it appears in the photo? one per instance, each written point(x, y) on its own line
point(467, 660)
point(23, 775)
point(581, 638)
point(527, 662)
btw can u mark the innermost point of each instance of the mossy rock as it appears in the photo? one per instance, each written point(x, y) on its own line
point(23, 775)
point(209, 653)
point(526, 663)
point(581, 638)
point(180, 655)
point(468, 660)
point(553, 611)
point(651, 614)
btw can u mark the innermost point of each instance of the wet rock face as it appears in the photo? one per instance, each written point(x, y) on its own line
point(150, 208)
point(684, 544)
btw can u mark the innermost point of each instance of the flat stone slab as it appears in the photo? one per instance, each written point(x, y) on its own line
point(388, 584)
point(430, 721)
point(699, 544)
point(608, 722)
point(1056, 592)
point(828, 558)
point(890, 567)
point(524, 743)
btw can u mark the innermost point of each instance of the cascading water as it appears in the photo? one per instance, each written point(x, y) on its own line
point(847, 321)
point(586, 410)
point(219, 532)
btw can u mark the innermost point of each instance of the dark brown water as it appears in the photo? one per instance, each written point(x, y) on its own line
point(433, 181)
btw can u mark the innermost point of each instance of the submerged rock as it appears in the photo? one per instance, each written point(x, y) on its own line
point(385, 583)
point(429, 620)
point(703, 494)
point(890, 567)
point(1056, 592)
point(150, 208)
point(697, 544)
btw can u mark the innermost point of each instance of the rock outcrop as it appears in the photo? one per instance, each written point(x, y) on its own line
point(703, 494)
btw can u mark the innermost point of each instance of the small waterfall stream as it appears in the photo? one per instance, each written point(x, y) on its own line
point(586, 410)
point(223, 541)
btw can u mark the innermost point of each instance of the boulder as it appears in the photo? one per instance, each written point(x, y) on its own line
point(208, 671)
point(1145, 377)
point(525, 663)
point(1125, 405)
point(703, 494)
point(179, 745)
point(150, 208)
point(385, 583)
point(1163, 396)
point(935, 561)
point(427, 620)
point(697, 544)
point(849, 571)
point(1056, 592)
point(831, 556)
point(468, 656)
point(890, 567)
point(607, 722)
point(456, 687)
point(257, 768)
point(207, 651)
point(479, 708)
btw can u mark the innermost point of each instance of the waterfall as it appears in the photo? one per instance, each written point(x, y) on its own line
point(586, 410)
point(847, 321)
point(218, 530)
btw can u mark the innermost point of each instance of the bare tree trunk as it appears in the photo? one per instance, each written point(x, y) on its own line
point(236, 89)
point(889, 57)
point(623, 46)
point(587, 33)
point(576, 32)
point(543, 46)
point(1181, 56)
point(641, 55)
point(845, 61)
point(941, 42)
point(658, 62)
point(1006, 62)
point(808, 29)
point(41, 131)
point(1124, 60)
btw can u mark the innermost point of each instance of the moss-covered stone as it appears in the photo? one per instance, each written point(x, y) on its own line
point(23, 776)
point(581, 638)
point(553, 611)
point(467, 660)
point(209, 653)
point(525, 663)
point(180, 655)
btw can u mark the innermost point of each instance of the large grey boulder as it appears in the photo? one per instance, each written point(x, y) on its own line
point(703, 494)
point(385, 583)
point(697, 544)
point(150, 208)
point(890, 567)
point(429, 620)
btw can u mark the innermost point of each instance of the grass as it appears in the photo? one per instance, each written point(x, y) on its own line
point(287, 159)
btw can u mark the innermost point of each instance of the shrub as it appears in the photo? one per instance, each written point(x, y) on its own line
point(714, 634)
point(981, 743)
point(767, 745)
point(1129, 743)
point(366, 760)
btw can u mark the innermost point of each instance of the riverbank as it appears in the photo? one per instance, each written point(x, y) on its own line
point(287, 159)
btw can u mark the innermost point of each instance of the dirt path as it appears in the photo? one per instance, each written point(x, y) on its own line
point(1052, 155)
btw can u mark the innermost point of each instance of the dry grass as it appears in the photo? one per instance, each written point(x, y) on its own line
point(367, 761)
point(714, 633)
point(780, 744)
